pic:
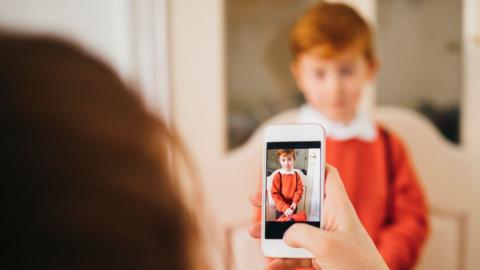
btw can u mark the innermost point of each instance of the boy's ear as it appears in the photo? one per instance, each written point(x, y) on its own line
point(374, 66)
point(293, 70)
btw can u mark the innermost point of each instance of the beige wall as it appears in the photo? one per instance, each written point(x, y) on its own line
point(420, 50)
point(197, 86)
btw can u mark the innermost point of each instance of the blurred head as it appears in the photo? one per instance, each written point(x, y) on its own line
point(333, 58)
point(86, 178)
point(286, 157)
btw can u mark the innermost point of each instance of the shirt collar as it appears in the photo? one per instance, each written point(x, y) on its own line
point(283, 171)
point(361, 127)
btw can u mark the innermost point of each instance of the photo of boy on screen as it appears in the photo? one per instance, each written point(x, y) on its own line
point(287, 187)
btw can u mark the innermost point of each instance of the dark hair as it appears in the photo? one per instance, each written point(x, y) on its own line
point(86, 179)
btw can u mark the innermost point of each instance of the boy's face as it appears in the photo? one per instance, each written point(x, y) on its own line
point(333, 86)
point(286, 161)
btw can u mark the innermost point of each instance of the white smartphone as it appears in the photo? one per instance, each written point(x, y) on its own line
point(292, 184)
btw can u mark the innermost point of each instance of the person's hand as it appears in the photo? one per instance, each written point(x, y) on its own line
point(343, 243)
point(288, 212)
point(293, 206)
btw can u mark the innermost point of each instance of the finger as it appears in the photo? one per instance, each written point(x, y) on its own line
point(285, 264)
point(255, 230)
point(256, 199)
point(304, 236)
point(334, 187)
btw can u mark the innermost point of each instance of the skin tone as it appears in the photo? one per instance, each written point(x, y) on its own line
point(342, 244)
point(333, 86)
point(286, 161)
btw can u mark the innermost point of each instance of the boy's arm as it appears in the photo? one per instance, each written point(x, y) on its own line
point(299, 190)
point(400, 242)
point(276, 194)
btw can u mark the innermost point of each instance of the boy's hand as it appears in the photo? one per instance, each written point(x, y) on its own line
point(288, 212)
point(293, 206)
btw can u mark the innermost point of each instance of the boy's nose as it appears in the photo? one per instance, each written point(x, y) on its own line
point(333, 83)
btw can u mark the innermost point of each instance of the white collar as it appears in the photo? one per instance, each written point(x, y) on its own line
point(361, 127)
point(283, 171)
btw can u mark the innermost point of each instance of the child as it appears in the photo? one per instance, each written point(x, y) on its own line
point(287, 187)
point(333, 61)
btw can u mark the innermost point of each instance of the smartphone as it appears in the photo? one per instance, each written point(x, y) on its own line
point(292, 184)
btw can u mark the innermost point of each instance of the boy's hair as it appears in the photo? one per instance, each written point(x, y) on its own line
point(330, 28)
point(286, 152)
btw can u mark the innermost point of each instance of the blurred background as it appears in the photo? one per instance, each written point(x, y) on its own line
point(216, 70)
point(419, 44)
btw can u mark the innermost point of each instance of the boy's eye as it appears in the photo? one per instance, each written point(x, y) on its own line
point(346, 71)
point(319, 73)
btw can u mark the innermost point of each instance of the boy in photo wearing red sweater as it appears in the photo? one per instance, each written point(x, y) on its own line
point(333, 61)
point(287, 187)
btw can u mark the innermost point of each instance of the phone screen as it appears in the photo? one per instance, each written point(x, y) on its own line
point(293, 186)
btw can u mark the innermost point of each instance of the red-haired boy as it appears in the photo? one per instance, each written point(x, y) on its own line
point(287, 187)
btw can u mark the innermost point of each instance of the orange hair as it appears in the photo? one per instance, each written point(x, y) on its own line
point(286, 152)
point(327, 29)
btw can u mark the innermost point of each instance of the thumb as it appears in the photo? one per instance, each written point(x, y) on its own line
point(305, 236)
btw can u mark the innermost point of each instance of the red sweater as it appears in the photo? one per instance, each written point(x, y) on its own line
point(286, 188)
point(364, 169)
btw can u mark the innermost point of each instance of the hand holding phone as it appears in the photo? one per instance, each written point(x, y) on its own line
point(293, 178)
point(343, 243)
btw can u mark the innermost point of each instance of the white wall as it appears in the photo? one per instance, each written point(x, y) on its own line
point(130, 35)
point(471, 111)
point(101, 26)
point(471, 78)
